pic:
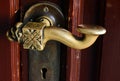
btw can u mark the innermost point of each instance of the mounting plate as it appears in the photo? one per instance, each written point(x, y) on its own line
point(47, 9)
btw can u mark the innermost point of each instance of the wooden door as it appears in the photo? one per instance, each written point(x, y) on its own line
point(13, 58)
point(77, 65)
point(110, 61)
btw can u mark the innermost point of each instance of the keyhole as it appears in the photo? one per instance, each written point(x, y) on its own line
point(44, 72)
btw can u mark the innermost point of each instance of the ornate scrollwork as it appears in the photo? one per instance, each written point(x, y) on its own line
point(33, 35)
point(30, 35)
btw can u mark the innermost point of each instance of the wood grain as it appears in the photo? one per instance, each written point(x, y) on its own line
point(111, 43)
point(75, 17)
point(9, 51)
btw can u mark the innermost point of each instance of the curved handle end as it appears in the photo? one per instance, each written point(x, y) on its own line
point(93, 30)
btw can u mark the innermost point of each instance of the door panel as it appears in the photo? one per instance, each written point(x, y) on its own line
point(5, 61)
point(110, 62)
point(93, 13)
point(75, 65)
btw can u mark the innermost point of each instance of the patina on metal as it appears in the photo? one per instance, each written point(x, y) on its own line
point(45, 65)
point(45, 19)
point(39, 26)
point(35, 35)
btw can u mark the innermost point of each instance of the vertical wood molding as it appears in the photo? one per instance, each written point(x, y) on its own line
point(15, 53)
point(74, 56)
point(15, 61)
point(14, 7)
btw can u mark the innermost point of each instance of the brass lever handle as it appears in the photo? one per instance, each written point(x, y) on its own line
point(65, 37)
point(35, 34)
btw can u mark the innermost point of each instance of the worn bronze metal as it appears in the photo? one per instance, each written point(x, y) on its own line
point(40, 25)
point(45, 65)
point(35, 34)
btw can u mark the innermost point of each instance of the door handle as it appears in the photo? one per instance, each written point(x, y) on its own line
point(42, 23)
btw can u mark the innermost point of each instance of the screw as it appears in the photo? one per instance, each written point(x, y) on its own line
point(46, 9)
point(31, 20)
point(58, 25)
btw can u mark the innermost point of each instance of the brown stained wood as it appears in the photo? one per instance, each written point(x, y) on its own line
point(4, 16)
point(14, 7)
point(5, 60)
point(110, 64)
point(15, 61)
point(75, 17)
point(87, 65)
point(91, 57)
point(10, 61)
point(15, 50)
point(15, 53)
point(78, 67)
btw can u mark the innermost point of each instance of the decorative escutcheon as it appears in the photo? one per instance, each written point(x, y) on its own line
point(42, 22)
